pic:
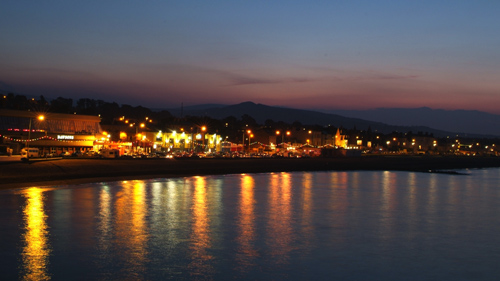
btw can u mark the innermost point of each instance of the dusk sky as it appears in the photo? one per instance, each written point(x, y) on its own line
point(301, 54)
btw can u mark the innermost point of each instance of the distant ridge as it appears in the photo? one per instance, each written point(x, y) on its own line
point(461, 121)
point(261, 113)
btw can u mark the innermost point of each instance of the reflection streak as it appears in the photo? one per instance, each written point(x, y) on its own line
point(280, 230)
point(307, 207)
point(37, 249)
point(104, 218)
point(200, 240)
point(246, 223)
point(131, 227)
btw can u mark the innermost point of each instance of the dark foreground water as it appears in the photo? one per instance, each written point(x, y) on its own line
point(283, 226)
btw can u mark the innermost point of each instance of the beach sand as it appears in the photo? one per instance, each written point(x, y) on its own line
point(74, 171)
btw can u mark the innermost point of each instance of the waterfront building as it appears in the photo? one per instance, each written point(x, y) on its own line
point(51, 133)
point(201, 141)
point(340, 140)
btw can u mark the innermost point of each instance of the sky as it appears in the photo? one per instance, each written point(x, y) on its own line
point(303, 54)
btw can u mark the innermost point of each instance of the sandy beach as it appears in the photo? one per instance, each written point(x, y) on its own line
point(17, 174)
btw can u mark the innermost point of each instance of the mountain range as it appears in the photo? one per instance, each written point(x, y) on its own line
point(439, 122)
point(461, 121)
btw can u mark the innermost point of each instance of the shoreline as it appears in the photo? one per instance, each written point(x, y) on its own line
point(75, 171)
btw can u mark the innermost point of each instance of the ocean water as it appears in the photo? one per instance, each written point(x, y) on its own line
point(277, 226)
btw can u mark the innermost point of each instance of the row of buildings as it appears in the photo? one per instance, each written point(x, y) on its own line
point(57, 134)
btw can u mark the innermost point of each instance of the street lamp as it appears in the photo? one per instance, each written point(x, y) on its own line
point(203, 129)
point(41, 118)
point(249, 132)
point(249, 138)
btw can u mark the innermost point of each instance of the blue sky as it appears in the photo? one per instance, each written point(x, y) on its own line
point(303, 54)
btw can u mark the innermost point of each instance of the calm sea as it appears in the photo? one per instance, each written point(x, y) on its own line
point(278, 226)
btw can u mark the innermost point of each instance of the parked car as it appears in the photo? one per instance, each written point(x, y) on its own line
point(90, 153)
point(110, 153)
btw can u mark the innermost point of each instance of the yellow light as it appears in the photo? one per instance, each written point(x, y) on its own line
point(277, 132)
point(41, 117)
point(287, 133)
point(203, 128)
point(249, 131)
point(142, 125)
point(36, 251)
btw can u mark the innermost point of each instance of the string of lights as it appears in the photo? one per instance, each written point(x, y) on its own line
point(44, 138)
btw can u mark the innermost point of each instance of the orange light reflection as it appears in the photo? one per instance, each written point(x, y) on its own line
point(280, 230)
point(201, 241)
point(246, 252)
point(36, 250)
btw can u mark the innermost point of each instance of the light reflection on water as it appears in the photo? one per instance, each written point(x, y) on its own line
point(200, 240)
point(279, 227)
point(36, 250)
point(294, 226)
point(246, 252)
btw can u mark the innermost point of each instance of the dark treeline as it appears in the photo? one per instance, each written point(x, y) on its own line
point(110, 113)
point(231, 127)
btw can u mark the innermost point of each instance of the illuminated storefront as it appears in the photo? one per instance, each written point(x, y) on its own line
point(52, 133)
point(182, 141)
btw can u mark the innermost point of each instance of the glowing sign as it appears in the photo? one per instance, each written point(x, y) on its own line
point(65, 137)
